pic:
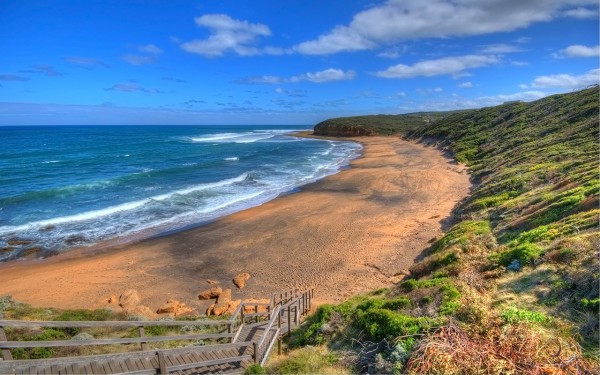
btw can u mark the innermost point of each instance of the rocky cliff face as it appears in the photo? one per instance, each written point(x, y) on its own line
point(334, 130)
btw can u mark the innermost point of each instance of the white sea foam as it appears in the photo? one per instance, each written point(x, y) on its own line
point(233, 158)
point(129, 206)
point(245, 137)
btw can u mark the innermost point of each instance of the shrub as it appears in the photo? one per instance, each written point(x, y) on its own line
point(590, 304)
point(525, 253)
point(382, 323)
point(513, 315)
point(461, 233)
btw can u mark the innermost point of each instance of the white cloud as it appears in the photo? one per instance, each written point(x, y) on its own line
point(228, 34)
point(567, 81)
point(582, 13)
point(579, 51)
point(132, 87)
point(149, 56)
point(442, 104)
point(519, 63)
point(430, 91)
point(325, 76)
point(455, 66)
point(322, 76)
point(139, 59)
point(85, 62)
point(523, 96)
point(500, 48)
point(397, 20)
point(150, 48)
point(465, 85)
point(340, 39)
point(393, 52)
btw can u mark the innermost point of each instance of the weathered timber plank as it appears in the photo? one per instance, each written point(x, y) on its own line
point(213, 362)
point(96, 369)
point(134, 340)
point(131, 366)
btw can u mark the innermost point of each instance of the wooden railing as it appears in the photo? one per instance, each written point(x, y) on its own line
point(279, 316)
point(231, 330)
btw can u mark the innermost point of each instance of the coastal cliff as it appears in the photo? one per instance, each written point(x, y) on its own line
point(357, 126)
point(331, 129)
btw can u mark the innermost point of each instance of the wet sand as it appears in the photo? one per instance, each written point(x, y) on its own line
point(349, 233)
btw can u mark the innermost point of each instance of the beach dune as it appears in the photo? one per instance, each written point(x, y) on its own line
point(349, 233)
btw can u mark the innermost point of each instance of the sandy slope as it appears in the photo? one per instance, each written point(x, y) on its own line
point(346, 234)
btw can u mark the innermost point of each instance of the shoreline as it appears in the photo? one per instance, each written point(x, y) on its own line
point(351, 232)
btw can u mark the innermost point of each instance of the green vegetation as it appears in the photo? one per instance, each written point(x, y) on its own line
point(377, 124)
point(513, 286)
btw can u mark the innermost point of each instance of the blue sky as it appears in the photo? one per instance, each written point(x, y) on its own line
point(284, 62)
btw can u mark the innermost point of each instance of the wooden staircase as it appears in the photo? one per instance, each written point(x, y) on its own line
point(245, 338)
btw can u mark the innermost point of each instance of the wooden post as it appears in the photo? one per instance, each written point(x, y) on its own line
point(5, 352)
point(144, 345)
point(296, 318)
point(304, 303)
point(256, 359)
point(230, 331)
point(289, 320)
point(279, 338)
point(162, 363)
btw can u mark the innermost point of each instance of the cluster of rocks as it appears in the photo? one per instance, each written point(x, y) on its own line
point(130, 302)
point(223, 304)
point(17, 248)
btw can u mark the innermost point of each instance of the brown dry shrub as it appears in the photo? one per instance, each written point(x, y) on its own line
point(512, 349)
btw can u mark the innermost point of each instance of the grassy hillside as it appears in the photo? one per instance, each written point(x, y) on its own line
point(512, 287)
point(377, 124)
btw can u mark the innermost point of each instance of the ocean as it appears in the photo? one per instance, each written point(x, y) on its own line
point(64, 187)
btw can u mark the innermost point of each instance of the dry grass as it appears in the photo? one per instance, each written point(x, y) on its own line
point(510, 349)
point(307, 360)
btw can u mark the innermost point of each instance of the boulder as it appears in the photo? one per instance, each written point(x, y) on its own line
point(129, 299)
point(220, 309)
point(213, 292)
point(18, 242)
point(174, 308)
point(31, 253)
point(240, 279)
point(222, 306)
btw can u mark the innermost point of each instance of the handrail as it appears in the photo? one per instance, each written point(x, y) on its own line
point(109, 323)
point(266, 353)
point(133, 340)
point(270, 325)
point(295, 301)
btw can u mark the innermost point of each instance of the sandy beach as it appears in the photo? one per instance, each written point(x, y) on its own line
point(349, 233)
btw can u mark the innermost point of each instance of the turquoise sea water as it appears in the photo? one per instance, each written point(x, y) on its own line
point(69, 186)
